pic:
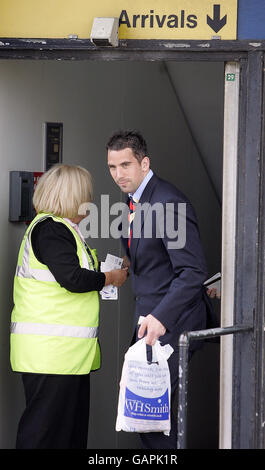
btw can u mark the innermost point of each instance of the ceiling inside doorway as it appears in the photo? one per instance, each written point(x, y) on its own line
point(199, 89)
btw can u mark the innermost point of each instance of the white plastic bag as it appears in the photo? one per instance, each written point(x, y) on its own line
point(144, 398)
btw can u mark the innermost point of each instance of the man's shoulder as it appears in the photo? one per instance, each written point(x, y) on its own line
point(164, 191)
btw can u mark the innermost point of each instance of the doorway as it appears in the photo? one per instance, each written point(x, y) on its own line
point(179, 108)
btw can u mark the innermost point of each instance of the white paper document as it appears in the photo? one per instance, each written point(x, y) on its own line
point(111, 262)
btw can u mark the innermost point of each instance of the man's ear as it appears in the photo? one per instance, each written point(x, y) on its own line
point(145, 163)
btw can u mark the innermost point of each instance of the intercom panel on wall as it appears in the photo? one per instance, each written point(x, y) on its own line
point(53, 144)
point(21, 188)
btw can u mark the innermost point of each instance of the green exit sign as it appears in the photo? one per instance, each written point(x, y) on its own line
point(230, 77)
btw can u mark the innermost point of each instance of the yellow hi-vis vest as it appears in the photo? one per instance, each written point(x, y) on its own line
point(53, 330)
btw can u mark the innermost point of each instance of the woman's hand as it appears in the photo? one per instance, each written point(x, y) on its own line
point(117, 277)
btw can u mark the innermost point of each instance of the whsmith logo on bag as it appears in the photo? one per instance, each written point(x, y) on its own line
point(139, 407)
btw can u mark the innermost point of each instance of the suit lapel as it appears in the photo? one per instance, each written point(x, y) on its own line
point(123, 227)
point(145, 198)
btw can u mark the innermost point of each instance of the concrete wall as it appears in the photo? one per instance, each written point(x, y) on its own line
point(92, 100)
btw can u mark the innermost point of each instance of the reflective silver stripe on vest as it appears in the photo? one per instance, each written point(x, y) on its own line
point(23, 328)
point(40, 274)
point(85, 260)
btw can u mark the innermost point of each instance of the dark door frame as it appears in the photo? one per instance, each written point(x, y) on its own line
point(248, 393)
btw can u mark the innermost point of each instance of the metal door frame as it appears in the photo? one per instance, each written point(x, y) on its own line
point(248, 384)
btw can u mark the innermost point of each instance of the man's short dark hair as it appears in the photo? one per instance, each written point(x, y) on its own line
point(128, 139)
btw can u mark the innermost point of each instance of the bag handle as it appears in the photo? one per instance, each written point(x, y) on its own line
point(150, 354)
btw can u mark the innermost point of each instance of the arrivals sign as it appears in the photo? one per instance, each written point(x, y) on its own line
point(139, 19)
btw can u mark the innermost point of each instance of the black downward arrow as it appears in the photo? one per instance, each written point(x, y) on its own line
point(216, 23)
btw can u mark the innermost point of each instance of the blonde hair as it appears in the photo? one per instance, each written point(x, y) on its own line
point(62, 190)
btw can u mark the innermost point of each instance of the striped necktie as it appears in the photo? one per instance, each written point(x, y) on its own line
point(131, 215)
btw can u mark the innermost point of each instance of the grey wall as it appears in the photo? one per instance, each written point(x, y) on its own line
point(92, 100)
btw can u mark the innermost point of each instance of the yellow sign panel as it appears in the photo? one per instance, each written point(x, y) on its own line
point(139, 19)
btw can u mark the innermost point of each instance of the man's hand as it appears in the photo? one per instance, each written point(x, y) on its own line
point(212, 293)
point(154, 329)
point(126, 262)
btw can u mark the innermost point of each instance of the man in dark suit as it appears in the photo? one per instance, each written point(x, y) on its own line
point(167, 266)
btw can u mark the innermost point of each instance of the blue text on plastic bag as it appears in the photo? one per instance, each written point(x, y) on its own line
point(146, 408)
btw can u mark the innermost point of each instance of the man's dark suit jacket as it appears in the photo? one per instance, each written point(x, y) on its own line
point(168, 283)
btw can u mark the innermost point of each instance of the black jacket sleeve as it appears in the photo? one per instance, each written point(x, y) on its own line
point(54, 245)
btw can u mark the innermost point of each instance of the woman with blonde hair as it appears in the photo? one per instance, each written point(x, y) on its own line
point(54, 324)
